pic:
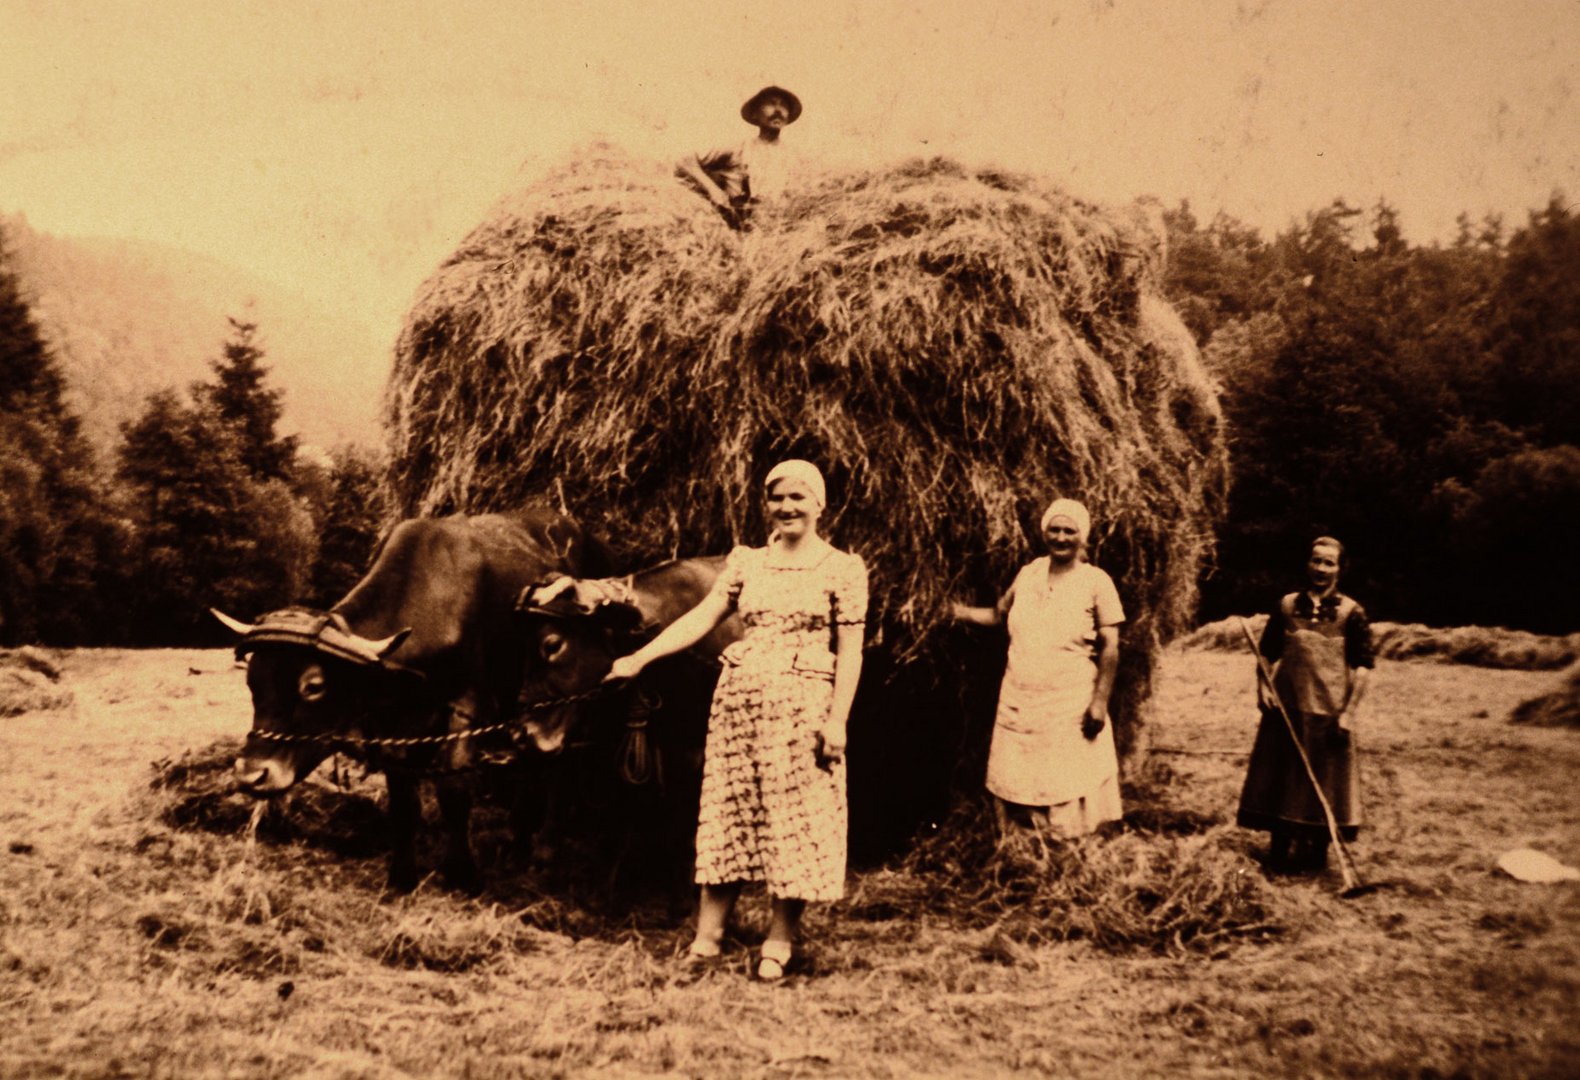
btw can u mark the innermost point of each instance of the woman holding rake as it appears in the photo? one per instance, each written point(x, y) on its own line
point(1320, 645)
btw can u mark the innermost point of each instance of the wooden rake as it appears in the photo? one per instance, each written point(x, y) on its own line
point(1353, 886)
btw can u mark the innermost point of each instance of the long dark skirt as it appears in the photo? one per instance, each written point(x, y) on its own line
point(1278, 796)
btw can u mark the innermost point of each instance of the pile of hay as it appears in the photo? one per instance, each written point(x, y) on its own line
point(1559, 707)
point(1483, 646)
point(1165, 882)
point(1224, 635)
point(953, 347)
point(30, 681)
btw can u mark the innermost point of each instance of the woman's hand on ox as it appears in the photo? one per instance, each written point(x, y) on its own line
point(1094, 720)
point(624, 668)
point(830, 745)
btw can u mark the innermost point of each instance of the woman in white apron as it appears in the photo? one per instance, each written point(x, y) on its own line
point(1052, 758)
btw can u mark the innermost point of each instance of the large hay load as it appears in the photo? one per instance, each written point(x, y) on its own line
point(953, 347)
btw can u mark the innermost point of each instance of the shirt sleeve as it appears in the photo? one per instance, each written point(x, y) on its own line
point(728, 583)
point(725, 165)
point(1105, 601)
point(850, 592)
point(1359, 652)
point(1272, 644)
point(719, 155)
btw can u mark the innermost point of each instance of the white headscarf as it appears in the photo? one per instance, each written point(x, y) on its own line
point(1071, 510)
point(803, 471)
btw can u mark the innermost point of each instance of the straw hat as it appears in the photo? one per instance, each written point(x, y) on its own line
point(749, 110)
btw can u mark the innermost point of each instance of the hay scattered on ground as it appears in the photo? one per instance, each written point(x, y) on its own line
point(298, 881)
point(1164, 881)
point(1484, 646)
point(1559, 707)
point(198, 790)
point(451, 941)
point(953, 346)
point(340, 811)
point(30, 681)
point(1169, 880)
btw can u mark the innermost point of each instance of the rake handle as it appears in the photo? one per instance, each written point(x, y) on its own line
point(1352, 880)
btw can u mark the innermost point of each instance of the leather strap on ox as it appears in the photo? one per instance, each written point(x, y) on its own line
point(325, 632)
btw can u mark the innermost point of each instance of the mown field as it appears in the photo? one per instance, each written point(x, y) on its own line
point(145, 931)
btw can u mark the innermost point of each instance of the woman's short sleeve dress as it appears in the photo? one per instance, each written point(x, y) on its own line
point(768, 811)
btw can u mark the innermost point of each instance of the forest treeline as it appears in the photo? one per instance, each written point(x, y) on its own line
point(204, 505)
point(1417, 401)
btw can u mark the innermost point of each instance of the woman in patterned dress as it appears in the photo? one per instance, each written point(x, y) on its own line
point(1052, 759)
point(1320, 644)
point(773, 805)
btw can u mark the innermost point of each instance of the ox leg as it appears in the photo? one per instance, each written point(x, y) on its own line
point(528, 811)
point(405, 812)
point(558, 796)
point(528, 805)
point(460, 866)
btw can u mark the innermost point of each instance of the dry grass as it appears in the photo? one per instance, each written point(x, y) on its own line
point(1558, 707)
point(133, 946)
point(30, 681)
point(960, 344)
point(1483, 646)
point(1164, 881)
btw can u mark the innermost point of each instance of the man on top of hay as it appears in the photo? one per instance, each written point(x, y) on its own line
point(736, 178)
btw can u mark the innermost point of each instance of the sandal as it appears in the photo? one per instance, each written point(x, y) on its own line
point(775, 958)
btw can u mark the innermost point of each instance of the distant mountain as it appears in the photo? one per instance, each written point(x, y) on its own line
point(128, 317)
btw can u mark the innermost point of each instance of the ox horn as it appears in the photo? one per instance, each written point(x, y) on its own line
point(375, 650)
point(382, 649)
point(555, 589)
point(235, 625)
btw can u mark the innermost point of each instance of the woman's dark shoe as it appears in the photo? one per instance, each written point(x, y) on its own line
point(1278, 859)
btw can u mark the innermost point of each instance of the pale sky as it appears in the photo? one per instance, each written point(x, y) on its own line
point(345, 147)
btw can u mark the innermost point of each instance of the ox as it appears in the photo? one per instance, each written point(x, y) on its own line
point(426, 647)
point(574, 629)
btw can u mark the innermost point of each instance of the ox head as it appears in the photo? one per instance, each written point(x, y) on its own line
point(574, 630)
point(311, 679)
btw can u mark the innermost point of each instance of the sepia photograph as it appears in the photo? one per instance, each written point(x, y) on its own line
point(851, 539)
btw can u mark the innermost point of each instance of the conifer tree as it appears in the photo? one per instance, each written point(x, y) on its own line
point(350, 520)
point(206, 480)
point(240, 398)
point(54, 530)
